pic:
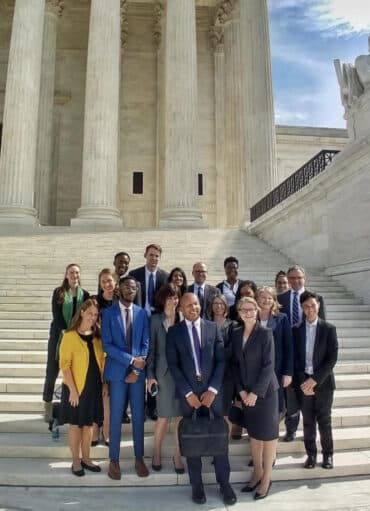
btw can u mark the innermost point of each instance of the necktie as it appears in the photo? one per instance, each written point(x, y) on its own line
point(128, 330)
point(197, 349)
point(295, 309)
point(151, 290)
point(201, 297)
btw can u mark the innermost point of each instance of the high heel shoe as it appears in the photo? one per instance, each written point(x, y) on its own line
point(259, 496)
point(247, 488)
point(92, 467)
point(178, 470)
point(78, 473)
point(155, 467)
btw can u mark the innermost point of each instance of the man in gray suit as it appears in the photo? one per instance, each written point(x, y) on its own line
point(203, 291)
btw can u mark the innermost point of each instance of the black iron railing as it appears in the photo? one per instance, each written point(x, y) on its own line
point(293, 183)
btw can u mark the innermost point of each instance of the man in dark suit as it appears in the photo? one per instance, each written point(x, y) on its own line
point(195, 356)
point(125, 336)
point(150, 276)
point(315, 355)
point(290, 305)
point(203, 291)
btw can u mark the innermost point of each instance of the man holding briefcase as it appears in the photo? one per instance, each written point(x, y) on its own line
point(195, 356)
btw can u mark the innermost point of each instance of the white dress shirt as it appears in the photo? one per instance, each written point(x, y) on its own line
point(310, 344)
point(229, 291)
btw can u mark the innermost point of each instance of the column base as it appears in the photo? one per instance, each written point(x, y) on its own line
point(18, 216)
point(182, 218)
point(97, 217)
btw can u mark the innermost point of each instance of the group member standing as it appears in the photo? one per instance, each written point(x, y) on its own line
point(121, 262)
point(290, 305)
point(315, 355)
point(281, 282)
point(257, 386)
point(177, 277)
point(82, 361)
point(159, 376)
point(195, 356)
point(65, 302)
point(246, 288)
point(125, 335)
point(203, 291)
point(229, 287)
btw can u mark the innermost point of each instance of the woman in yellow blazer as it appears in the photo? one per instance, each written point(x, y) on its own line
point(81, 360)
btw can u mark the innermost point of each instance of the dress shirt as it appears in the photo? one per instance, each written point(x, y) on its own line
point(310, 344)
point(229, 291)
point(147, 307)
point(189, 326)
point(300, 313)
point(123, 316)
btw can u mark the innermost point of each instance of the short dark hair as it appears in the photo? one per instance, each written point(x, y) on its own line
point(244, 283)
point(121, 254)
point(164, 292)
point(230, 259)
point(126, 277)
point(306, 295)
point(280, 273)
point(155, 246)
point(296, 267)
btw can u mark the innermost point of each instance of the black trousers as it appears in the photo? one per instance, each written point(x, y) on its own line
point(52, 369)
point(292, 409)
point(316, 409)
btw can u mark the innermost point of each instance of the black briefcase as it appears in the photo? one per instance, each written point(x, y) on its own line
point(203, 436)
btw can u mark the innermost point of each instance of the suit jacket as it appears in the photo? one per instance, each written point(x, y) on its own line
point(157, 361)
point(160, 280)
point(325, 355)
point(254, 363)
point(209, 293)
point(181, 363)
point(283, 341)
point(118, 360)
point(284, 300)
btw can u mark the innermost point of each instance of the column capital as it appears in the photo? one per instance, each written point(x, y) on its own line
point(124, 23)
point(157, 28)
point(55, 7)
point(224, 11)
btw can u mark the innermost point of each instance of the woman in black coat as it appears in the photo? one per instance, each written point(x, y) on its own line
point(257, 386)
point(66, 301)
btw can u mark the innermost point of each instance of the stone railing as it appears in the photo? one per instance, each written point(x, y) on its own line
point(293, 183)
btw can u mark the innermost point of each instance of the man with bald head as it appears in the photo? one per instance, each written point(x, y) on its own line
point(203, 291)
point(195, 356)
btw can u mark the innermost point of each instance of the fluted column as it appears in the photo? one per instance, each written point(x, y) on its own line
point(100, 148)
point(258, 101)
point(181, 164)
point(54, 8)
point(235, 158)
point(18, 154)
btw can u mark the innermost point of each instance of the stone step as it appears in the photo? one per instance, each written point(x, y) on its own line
point(46, 471)
point(37, 357)
point(19, 314)
point(23, 344)
point(349, 354)
point(22, 324)
point(349, 367)
point(10, 333)
point(22, 369)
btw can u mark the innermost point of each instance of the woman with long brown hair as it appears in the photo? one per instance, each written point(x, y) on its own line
point(82, 362)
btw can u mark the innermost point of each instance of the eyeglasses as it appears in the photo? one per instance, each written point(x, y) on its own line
point(248, 311)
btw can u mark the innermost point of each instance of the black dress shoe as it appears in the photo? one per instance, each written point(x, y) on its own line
point(178, 470)
point(158, 467)
point(289, 436)
point(260, 496)
point(310, 462)
point(92, 468)
point(126, 419)
point(327, 462)
point(228, 495)
point(198, 495)
point(94, 443)
point(247, 488)
point(78, 473)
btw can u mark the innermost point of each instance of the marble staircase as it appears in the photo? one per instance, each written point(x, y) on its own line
point(31, 266)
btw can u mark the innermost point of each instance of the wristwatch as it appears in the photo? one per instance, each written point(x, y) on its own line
point(135, 371)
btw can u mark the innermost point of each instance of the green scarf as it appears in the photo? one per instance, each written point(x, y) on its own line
point(68, 312)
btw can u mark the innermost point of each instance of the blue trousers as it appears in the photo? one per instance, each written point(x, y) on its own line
point(119, 392)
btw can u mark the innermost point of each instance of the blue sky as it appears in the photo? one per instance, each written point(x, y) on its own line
point(306, 36)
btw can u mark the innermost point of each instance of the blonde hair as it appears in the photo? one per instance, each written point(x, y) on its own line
point(247, 299)
point(272, 292)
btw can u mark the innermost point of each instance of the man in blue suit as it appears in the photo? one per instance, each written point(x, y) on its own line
point(125, 336)
point(195, 356)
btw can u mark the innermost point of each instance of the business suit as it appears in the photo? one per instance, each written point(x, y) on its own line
point(182, 366)
point(283, 342)
point(117, 367)
point(316, 407)
point(254, 372)
point(161, 277)
point(292, 415)
point(209, 293)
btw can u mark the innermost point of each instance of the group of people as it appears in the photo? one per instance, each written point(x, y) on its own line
point(149, 340)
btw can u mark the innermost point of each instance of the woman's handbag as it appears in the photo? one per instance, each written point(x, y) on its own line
point(203, 436)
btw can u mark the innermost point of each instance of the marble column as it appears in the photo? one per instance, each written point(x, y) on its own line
point(101, 128)
point(18, 154)
point(234, 132)
point(259, 122)
point(53, 9)
point(181, 164)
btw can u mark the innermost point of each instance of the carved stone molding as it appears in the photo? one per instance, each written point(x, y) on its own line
point(222, 15)
point(124, 23)
point(157, 29)
point(55, 7)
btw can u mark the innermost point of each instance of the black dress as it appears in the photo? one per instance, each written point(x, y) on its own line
point(90, 406)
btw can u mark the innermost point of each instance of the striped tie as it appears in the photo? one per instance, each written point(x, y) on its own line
point(295, 309)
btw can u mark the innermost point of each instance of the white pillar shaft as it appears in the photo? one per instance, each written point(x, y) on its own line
point(18, 155)
point(101, 129)
point(219, 61)
point(258, 102)
point(180, 115)
point(45, 130)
